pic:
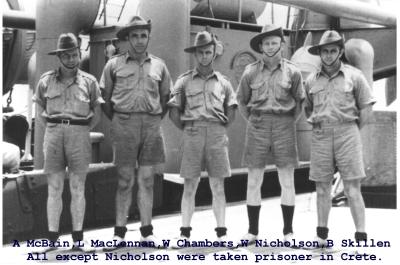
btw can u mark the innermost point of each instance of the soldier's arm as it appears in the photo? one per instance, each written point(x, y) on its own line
point(243, 96)
point(230, 114)
point(176, 104)
point(95, 101)
point(40, 102)
point(365, 116)
point(364, 100)
point(230, 104)
point(298, 93)
point(175, 116)
point(307, 103)
point(165, 91)
point(107, 86)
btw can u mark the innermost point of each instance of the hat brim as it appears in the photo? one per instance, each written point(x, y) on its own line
point(192, 49)
point(123, 32)
point(54, 52)
point(314, 50)
point(256, 40)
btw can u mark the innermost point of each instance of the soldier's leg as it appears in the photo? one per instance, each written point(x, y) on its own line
point(55, 183)
point(324, 204)
point(218, 200)
point(145, 194)
point(288, 193)
point(188, 200)
point(78, 201)
point(123, 198)
point(352, 190)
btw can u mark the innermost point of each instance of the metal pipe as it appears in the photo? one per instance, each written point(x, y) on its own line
point(353, 10)
point(384, 72)
point(18, 19)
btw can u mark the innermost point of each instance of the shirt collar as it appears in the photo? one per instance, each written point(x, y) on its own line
point(77, 79)
point(280, 65)
point(196, 73)
point(129, 57)
point(341, 69)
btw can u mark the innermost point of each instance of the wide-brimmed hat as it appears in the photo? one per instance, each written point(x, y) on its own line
point(136, 22)
point(66, 42)
point(329, 37)
point(268, 30)
point(203, 38)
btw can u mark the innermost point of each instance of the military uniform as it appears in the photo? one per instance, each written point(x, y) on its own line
point(270, 98)
point(203, 103)
point(333, 105)
point(136, 90)
point(68, 110)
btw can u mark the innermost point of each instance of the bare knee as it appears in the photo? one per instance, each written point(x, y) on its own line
point(125, 179)
point(352, 190)
point(217, 189)
point(323, 189)
point(190, 188)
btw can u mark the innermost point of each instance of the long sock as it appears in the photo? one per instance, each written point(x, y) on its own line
point(221, 231)
point(253, 213)
point(77, 235)
point(287, 213)
point(360, 236)
point(146, 230)
point(120, 231)
point(185, 231)
point(322, 232)
point(53, 236)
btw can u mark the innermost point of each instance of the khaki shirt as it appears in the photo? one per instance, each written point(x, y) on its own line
point(338, 98)
point(136, 87)
point(277, 91)
point(201, 98)
point(75, 101)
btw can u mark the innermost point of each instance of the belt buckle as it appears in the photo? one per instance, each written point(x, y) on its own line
point(66, 122)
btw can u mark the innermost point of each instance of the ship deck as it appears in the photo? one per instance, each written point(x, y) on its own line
point(381, 227)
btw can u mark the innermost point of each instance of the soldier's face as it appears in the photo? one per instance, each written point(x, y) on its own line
point(271, 45)
point(205, 55)
point(330, 54)
point(70, 59)
point(139, 39)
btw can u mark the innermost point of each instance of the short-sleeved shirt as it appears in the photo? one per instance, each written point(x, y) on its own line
point(203, 98)
point(277, 91)
point(136, 87)
point(338, 98)
point(74, 101)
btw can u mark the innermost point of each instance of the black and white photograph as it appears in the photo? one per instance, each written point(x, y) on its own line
point(199, 131)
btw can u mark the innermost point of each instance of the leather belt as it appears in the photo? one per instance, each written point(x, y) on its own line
point(68, 121)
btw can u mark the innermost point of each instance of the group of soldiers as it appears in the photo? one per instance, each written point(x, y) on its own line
point(136, 91)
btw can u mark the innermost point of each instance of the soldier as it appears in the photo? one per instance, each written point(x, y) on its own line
point(136, 87)
point(203, 105)
point(68, 99)
point(270, 94)
point(338, 103)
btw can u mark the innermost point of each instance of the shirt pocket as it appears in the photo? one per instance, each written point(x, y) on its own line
point(257, 92)
point(152, 85)
point(217, 100)
point(346, 95)
point(54, 104)
point(282, 90)
point(81, 106)
point(124, 80)
point(194, 97)
point(318, 96)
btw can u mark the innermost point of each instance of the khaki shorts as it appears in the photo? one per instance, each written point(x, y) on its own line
point(205, 145)
point(66, 146)
point(137, 139)
point(270, 136)
point(338, 146)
